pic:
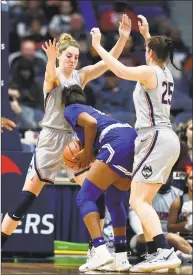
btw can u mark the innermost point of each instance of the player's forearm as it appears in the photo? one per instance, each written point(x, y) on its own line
point(113, 64)
point(177, 227)
point(147, 36)
point(51, 70)
point(118, 48)
point(90, 135)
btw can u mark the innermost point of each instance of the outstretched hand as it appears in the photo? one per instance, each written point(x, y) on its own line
point(125, 27)
point(143, 26)
point(96, 37)
point(51, 49)
point(7, 124)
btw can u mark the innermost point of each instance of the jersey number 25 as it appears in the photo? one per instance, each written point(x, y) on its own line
point(167, 94)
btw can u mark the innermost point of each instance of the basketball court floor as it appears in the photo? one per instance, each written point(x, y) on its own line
point(62, 265)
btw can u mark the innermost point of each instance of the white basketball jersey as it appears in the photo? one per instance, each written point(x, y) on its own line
point(153, 106)
point(54, 110)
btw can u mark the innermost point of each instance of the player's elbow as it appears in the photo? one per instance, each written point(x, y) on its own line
point(118, 73)
point(124, 73)
point(92, 124)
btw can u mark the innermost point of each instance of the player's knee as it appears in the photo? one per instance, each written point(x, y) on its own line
point(135, 203)
point(88, 194)
point(138, 199)
point(26, 199)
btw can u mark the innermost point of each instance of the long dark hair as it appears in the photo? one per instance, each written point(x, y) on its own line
point(73, 95)
point(162, 46)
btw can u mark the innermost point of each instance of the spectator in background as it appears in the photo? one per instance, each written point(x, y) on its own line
point(180, 219)
point(160, 26)
point(128, 56)
point(77, 28)
point(60, 23)
point(33, 11)
point(26, 96)
point(36, 36)
point(28, 51)
point(178, 44)
point(51, 8)
point(181, 51)
point(188, 69)
point(109, 20)
point(178, 174)
point(112, 99)
point(16, 8)
point(186, 138)
point(85, 58)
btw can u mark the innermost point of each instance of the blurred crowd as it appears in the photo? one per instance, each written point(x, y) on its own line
point(33, 22)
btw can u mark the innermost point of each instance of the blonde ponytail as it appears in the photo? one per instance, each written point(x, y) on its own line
point(66, 40)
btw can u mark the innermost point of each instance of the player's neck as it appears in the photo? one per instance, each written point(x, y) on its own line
point(154, 63)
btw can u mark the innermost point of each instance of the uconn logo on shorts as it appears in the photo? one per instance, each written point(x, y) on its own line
point(147, 171)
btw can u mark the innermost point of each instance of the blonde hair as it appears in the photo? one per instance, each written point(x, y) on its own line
point(65, 41)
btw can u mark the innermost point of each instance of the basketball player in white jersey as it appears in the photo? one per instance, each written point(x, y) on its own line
point(157, 147)
point(56, 132)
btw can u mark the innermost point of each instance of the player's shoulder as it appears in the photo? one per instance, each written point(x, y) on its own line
point(74, 107)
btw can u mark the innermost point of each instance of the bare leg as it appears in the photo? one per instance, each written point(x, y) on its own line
point(148, 237)
point(34, 186)
point(141, 198)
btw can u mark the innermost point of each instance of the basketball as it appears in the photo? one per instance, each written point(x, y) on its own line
point(70, 151)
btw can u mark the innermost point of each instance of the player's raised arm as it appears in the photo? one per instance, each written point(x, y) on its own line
point(51, 79)
point(139, 73)
point(91, 72)
point(143, 26)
